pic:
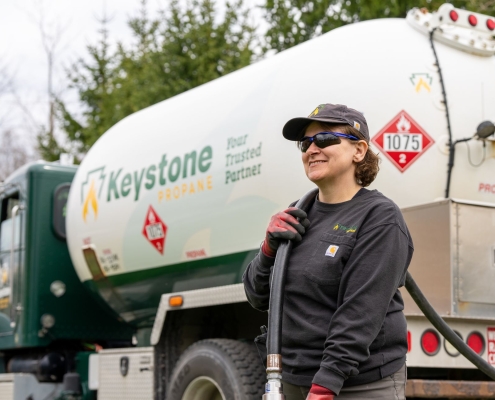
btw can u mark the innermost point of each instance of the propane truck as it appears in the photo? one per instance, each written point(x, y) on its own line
point(121, 278)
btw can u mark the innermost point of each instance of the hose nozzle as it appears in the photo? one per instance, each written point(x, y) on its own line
point(273, 388)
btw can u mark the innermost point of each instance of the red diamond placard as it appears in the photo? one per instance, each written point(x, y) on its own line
point(403, 140)
point(154, 230)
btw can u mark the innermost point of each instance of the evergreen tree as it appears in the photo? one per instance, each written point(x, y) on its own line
point(184, 47)
point(94, 83)
point(294, 21)
point(198, 50)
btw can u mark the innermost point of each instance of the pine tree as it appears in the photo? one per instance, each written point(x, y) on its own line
point(184, 47)
point(294, 21)
point(94, 82)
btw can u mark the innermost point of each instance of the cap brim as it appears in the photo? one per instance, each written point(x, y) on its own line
point(294, 128)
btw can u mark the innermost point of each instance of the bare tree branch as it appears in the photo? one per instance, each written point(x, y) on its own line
point(51, 35)
point(25, 110)
point(12, 154)
point(52, 38)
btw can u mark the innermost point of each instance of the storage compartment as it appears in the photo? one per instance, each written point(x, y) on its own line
point(126, 374)
point(454, 257)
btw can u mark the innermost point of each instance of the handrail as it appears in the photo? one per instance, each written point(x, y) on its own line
point(12, 272)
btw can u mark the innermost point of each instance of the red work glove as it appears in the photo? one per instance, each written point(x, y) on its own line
point(284, 226)
point(318, 392)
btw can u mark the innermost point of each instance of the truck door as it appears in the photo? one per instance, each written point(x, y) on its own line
point(11, 254)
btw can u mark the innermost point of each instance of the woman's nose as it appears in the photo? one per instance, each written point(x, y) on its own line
point(313, 148)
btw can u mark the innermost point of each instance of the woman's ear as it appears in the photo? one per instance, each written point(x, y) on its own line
point(361, 148)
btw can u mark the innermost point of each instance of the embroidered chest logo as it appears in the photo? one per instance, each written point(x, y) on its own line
point(332, 250)
point(346, 229)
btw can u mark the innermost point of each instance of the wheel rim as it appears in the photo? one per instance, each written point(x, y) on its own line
point(203, 388)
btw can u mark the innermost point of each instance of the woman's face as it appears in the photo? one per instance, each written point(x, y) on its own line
point(333, 163)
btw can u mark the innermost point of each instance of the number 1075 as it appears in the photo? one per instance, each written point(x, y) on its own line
point(402, 142)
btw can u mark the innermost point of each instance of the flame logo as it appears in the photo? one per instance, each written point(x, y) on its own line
point(91, 199)
point(151, 217)
point(403, 125)
point(422, 84)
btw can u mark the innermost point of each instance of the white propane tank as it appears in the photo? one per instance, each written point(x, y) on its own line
point(198, 175)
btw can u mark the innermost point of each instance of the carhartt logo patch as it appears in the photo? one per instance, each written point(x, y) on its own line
point(332, 250)
point(357, 126)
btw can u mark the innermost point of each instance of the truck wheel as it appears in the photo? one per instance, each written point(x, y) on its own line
point(218, 369)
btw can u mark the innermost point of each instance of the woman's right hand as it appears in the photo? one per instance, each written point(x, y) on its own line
point(318, 392)
point(284, 226)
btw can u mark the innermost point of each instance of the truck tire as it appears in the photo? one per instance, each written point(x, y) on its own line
point(218, 369)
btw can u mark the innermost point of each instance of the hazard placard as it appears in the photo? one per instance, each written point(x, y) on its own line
point(402, 140)
point(154, 230)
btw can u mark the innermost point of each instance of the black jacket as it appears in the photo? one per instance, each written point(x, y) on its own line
point(343, 323)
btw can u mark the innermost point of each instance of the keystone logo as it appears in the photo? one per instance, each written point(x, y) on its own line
point(316, 110)
point(346, 229)
point(421, 81)
point(122, 183)
point(90, 192)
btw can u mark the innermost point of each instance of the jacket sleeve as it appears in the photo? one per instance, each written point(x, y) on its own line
point(371, 276)
point(256, 280)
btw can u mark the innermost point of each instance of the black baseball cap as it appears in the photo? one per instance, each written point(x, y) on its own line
point(327, 113)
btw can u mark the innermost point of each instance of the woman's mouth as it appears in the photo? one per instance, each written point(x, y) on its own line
point(313, 163)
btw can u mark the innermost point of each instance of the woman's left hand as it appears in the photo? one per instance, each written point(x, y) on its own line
point(318, 392)
point(284, 226)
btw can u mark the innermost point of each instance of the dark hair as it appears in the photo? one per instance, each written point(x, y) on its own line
point(367, 168)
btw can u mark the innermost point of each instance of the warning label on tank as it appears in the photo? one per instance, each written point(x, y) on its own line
point(403, 141)
point(491, 345)
point(155, 230)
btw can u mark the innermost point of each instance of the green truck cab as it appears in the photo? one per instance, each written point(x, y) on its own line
point(59, 335)
point(48, 320)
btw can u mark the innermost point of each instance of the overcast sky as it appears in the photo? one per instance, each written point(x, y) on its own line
point(24, 60)
point(20, 39)
point(23, 57)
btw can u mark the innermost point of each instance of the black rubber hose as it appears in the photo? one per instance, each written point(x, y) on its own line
point(444, 329)
point(451, 164)
point(447, 115)
point(273, 344)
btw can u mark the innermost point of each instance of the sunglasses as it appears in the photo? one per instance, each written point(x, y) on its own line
point(323, 139)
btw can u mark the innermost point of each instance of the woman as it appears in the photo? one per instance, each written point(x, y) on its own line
point(344, 332)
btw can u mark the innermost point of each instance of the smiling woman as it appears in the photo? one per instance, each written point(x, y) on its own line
point(350, 255)
point(366, 169)
point(333, 166)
